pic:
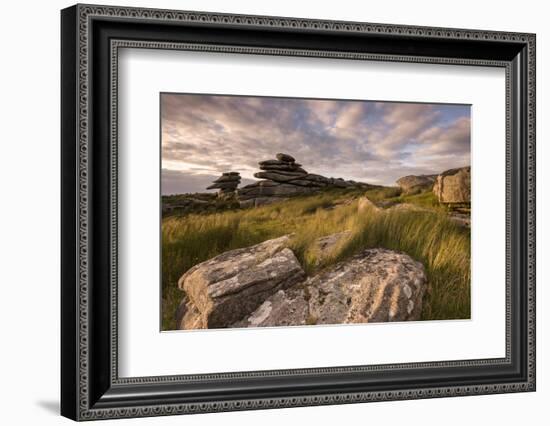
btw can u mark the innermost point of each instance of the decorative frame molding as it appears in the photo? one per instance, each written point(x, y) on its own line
point(91, 388)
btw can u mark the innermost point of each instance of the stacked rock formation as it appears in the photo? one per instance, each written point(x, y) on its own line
point(283, 178)
point(227, 183)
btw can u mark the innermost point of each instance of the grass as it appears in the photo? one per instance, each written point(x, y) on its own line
point(430, 237)
point(424, 199)
point(384, 193)
point(393, 195)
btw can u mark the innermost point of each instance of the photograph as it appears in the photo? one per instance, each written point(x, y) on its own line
point(281, 211)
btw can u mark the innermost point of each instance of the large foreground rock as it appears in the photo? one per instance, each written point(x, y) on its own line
point(228, 287)
point(377, 285)
point(453, 186)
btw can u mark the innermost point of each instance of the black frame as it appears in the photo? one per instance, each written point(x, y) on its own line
point(91, 37)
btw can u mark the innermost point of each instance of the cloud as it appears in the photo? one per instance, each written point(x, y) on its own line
point(452, 139)
point(375, 142)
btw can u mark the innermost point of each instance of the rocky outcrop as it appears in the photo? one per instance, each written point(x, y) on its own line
point(227, 183)
point(453, 186)
point(377, 285)
point(415, 184)
point(282, 178)
point(228, 287)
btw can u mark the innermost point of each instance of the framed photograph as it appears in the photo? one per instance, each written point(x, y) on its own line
point(263, 212)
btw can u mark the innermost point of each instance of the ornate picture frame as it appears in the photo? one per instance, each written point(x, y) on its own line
point(91, 37)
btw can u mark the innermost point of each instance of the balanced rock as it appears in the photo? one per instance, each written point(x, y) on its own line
point(227, 183)
point(453, 186)
point(415, 184)
point(224, 289)
point(377, 285)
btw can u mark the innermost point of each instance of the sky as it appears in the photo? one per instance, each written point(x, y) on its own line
point(368, 141)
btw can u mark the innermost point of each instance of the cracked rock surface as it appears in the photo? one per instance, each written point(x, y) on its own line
point(228, 287)
point(377, 285)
